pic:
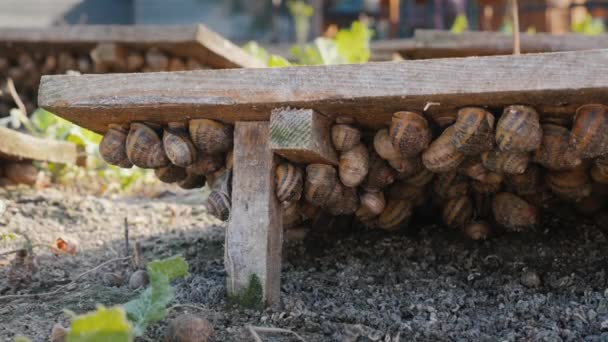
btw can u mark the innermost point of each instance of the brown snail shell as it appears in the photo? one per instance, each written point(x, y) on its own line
point(354, 166)
point(396, 214)
point(474, 169)
point(220, 180)
point(192, 181)
point(554, 152)
point(345, 137)
point(406, 167)
point(505, 162)
point(514, 213)
point(526, 183)
point(420, 179)
point(572, 185)
point(409, 133)
point(589, 135)
point(478, 230)
point(450, 184)
point(374, 202)
point(473, 131)
point(518, 129)
point(170, 173)
point(189, 328)
point(384, 147)
point(206, 164)
point(144, 147)
point(367, 217)
point(309, 211)
point(320, 182)
point(291, 215)
point(347, 203)
point(289, 182)
point(218, 204)
point(211, 137)
point(599, 173)
point(403, 191)
point(113, 146)
point(490, 186)
point(380, 175)
point(178, 147)
point(444, 118)
point(21, 172)
point(229, 159)
point(442, 156)
point(483, 204)
point(457, 211)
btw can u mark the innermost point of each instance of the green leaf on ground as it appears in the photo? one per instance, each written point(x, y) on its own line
point(104, 324)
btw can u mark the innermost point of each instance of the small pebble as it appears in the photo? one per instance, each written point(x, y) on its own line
point(530, 279)
point(604, 325)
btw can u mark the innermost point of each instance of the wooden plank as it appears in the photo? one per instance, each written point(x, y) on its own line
point(196, 41)
point(255, 232)
point(302, 136)
point(370, 92)
point(440, 44)
point(20, 146)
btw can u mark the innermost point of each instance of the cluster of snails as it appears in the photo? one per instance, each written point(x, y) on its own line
point(17, 172)
point(190, 154)
point(478, 172)
point(26, 67)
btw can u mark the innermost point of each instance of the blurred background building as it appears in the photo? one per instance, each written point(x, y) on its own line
point(269, 20)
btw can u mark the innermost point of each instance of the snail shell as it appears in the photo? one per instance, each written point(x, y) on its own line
point(367, 217)
point(384, 147)
point(514, 213)
point(473, 131)
point(21, 172)
point(444, 118)
point(474, 169)
point(192, 181)
point(178, 147)
point(206, 164)
point(354, 165)
point(406, 167)
point(289, 182)
point(396, 214)
point(229, 159)
point(374, 202)
point(320, 182)
point(572, 185)
point(599, 173)
point(188, 328)
point(291, 215)
point(309, 211)
point(505, 162)
point(483, 204)
point(478, 230)
point(220, 180)
point(442, 156)
point(144, 147)
point(170, 173)
point(211, 137)
point(554, 152)
point(526, 183)
point(409, 133)
point(345, 137)
point(113, 146)
point(404, 191)
point(218, 204)
point(420, 179)
point(518, 129)
point(492, 184)
point(380, 174)
point(346, 204)
point(589, 135)
point(450, 184)
point(457, 211)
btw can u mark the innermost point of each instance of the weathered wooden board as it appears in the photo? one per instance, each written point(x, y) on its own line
point(255, 233)
point(441, 44)
point(302, 136)
point(368, 92)
point(20, 146)
point(195, 41)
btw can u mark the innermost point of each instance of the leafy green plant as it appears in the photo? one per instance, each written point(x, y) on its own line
point(589, 26)
point(461, 24)
point(103, 324)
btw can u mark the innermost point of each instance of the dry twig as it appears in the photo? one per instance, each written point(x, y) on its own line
point(255, 330)
point(515, 17)
point(22, 110)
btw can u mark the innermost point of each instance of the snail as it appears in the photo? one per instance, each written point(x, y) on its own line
point(589, 135)
point(139, 279)
point(478, 230)
point(192, 181)
point(403, 191)
point(572, 185)
point(354, 166)
point(505, 162)
point(218, 204)
point(473, 131)
point(518, 129)
point(599, 173)
point(211, 137)
point(483, 204)
point(170, 173)
point(406, 167)
point(513, 213)
point(409, 133)
point(491, 184)
point(379, 175)
point(554, 152)
point(366, 217)
point(396, 214)
point(21, 172)
point(320, 182)
point(206, 164)
point(384, 147)
point(178, 147)
point(59, 333)
point(345, 137)
point(374, 202)
point(526, 183)
point(113, 146)
point(189, 328)
point(289, 182)
point(144, 147)
point(457, 211)
point(291, 215)
point(229, 159)
point(420, 179)
point(442, 156)
point(346, 204)
point(444, 118)
point(309, 211)
point(450, 184)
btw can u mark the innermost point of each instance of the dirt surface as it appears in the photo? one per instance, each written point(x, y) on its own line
point(549, 285)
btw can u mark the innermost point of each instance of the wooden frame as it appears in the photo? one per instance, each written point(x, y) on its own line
point(20, 146)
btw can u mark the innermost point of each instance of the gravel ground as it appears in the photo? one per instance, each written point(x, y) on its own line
point(358, 285)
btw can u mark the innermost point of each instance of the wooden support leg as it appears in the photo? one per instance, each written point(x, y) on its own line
point(255, 232)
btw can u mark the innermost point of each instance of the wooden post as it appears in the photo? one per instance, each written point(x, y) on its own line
point(255, 232)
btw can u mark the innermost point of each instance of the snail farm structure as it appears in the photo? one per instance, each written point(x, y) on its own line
point(485, 143)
